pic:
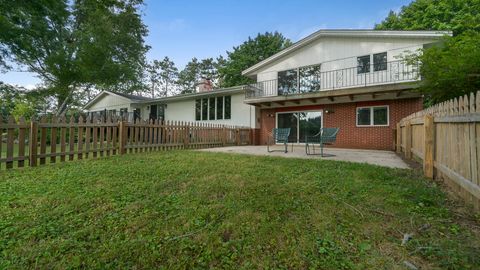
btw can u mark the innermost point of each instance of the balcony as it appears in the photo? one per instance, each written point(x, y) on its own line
point(316, 81)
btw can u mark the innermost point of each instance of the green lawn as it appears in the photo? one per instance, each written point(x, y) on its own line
point(195, 210)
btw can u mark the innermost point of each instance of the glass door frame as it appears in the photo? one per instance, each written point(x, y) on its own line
point(298, 121)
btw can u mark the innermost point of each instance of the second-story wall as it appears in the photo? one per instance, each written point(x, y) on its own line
point(341, 52)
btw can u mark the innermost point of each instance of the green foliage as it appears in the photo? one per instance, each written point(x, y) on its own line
point(453, 68)
point(70, 44)
point(195, 210)
point(194, 71)
point(248, 54)
point(162, 76)
point(454, 15)
point(18, 102)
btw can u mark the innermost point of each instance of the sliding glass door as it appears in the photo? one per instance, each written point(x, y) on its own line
point(301, 124)
point(289, 120)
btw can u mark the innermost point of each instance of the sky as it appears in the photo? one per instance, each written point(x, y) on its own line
point(183, 29)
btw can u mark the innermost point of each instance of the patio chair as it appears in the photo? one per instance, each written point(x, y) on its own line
point(326, 136)
point(279, 135)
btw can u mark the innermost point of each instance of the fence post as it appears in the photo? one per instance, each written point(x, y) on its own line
point(224, 136)
point(121, 137)
point(32, 144)
point(186, 140)
point(238, 136)
point(429, 146)
point(408, 140)
point(398, 143)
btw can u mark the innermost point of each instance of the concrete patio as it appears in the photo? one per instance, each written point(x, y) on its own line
point(375, 157)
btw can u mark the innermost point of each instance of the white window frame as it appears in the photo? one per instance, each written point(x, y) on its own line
point(208, 108)
point(371, 116)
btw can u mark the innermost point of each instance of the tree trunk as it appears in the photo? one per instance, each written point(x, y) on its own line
point(63, 107)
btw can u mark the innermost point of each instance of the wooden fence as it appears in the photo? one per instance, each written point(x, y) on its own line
point(446, 138)
point(57, 140)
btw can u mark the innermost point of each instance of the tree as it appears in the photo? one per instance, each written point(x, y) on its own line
point(18, 101)
point(8, 95)
point(189, 76)
point(168, 76)
point(454, 15)
point(452, 68)
point(70, 44)
point(248, 54)
point(194, 71)
point(162, 76)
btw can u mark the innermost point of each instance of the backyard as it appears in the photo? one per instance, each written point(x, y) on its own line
point(191, 209)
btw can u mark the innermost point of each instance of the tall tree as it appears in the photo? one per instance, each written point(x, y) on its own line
point(168, 77)
point(453, 68)
point(194, 71)
point(454, 15)
point(189, 76)
point(70, 44)
point(162, 76)
point(248, 54)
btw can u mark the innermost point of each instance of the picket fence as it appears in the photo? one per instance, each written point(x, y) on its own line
point(57, 140)
point(446, 139)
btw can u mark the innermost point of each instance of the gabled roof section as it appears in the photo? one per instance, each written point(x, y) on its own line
point(345, 33)
point(128, 97)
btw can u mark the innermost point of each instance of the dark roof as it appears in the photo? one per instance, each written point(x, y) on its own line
point(134, 97)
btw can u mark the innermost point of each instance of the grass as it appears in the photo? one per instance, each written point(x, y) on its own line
point(195, 210)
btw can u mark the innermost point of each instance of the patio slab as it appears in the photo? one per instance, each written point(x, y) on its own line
point(375, 157)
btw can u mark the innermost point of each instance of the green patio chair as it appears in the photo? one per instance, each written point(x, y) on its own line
point(279, 135)
point(326, 136)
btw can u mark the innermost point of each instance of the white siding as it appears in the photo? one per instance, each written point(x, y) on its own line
point(110, 102)
point(241, 113)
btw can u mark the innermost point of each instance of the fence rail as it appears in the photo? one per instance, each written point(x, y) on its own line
point(446, 138)
point(57, 140)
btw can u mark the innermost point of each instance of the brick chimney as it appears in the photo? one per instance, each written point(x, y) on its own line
point(205, 85)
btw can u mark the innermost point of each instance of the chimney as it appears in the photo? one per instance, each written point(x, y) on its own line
point(205, 85)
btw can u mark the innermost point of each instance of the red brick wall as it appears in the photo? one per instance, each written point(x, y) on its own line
point(344, 117)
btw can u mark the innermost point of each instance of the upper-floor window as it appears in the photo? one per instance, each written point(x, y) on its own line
point(213, 108)
point(372, 116)
point(309, 78)
point(363, 64)
point(380, 61)
point(288, 81)
point(302, 79)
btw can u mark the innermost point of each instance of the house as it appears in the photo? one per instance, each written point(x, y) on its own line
point(351, 79)
point(224, 106)
point(113, 103)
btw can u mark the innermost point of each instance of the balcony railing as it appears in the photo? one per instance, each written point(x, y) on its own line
point(375, 74)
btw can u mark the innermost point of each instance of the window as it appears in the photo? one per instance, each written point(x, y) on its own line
point(287, 81)
point(204, 109)
point(228, 107)
point(309, 78)
point(363, 64)
point(380, 61)
point(219, 108)
point(211, 108)
point(198, 109)
point(161, 112)
point(372, 116)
